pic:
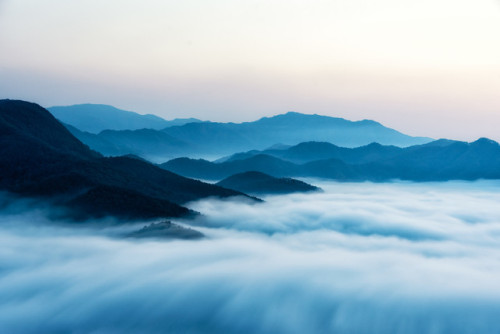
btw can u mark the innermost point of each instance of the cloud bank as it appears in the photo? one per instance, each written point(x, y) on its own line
point(357, 258)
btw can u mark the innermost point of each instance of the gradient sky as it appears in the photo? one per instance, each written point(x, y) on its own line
point(428, 67)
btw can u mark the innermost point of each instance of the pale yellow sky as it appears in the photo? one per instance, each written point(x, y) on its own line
point(423, 67)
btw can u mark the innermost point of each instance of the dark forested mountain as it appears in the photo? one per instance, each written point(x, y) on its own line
point(211, 139)
point(436, 161)
point(95, 118)
point(166, 230)
point(39, 157)
point(259, 183)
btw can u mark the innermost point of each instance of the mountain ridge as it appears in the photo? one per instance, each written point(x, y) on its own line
point(435, 161)
point(218, 138)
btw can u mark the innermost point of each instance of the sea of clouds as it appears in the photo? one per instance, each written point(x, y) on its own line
point(355, 258)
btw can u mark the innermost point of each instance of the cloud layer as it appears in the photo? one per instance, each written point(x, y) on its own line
point(357, 258)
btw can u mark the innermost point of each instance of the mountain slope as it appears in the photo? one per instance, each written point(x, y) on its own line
point(291, 128)
point(95, 118)
point(24, 123)
point(39, 157)
point(259, 183)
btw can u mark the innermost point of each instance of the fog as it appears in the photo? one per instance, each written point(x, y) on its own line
point(355, 258)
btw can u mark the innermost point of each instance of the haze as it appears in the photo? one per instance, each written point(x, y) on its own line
point(428, 68)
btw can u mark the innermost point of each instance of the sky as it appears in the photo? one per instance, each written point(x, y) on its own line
point(427, 68)
point(360, 258)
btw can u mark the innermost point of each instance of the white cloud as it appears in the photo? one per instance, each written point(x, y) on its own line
point(358, 258)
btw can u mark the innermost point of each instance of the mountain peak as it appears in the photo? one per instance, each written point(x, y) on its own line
point(485, 142)
point(293, 116)
point(94, 118)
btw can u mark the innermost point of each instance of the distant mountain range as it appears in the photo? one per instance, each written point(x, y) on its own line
point(311, 151)
point(95, 118)
point(217, 139)
point(439, 160)
point(40, 158)
point(293, 128)
point(257, 183)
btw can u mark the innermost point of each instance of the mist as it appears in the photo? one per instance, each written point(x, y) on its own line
point(355, 258)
